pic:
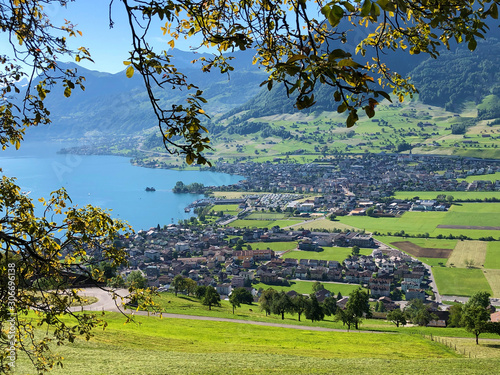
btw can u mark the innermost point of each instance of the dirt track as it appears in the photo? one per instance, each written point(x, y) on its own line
point(467, 227)
point(423, 252)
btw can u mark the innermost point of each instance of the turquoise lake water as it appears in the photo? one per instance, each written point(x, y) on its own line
point(106, 181)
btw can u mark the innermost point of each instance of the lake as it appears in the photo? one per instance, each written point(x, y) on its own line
point(106, 181)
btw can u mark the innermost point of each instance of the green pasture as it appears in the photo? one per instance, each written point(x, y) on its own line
point(177, 346)
point(329, 253)
point(414, 223)
point(265, 216)
point(461, 195)
point(263, 223)
point(492, 260)
point(275, 246)
point(231, 209)
point(324, 223)
point(475, 214)
point(484, 177)
point(410, 222)
point(460, 281)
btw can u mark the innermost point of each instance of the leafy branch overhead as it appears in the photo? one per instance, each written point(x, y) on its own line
point(300, 44)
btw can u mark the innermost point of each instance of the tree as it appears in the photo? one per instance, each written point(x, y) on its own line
point(135, 279)
point(281, 304)
point(211, 297)
point(300, 303)
point(355, 250)
point(179, 284)
point(239, 296)
point(358, 305)
point(475, 314)
point(266, 300)
point(317, 286)
point(455, 315)
point(200, 291)
point(397, 316)
point(418, 313)
point(63, 245)
point(190, 286)
point(330, 306)
point(314, 311)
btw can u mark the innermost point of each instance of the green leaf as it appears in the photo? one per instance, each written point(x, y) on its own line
point(296, 58)
point(352, 118)
point(349, 62)
point(472, 44)
point(130, 71)
point(365, 10)
point(493, 11)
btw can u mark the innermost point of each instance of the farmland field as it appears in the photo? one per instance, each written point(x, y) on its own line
point(417, 251)
point(329, 253)
point(263, 223)
point(460, 281)
point(462, 195)
point(265, 216)
point(493, 255)
point(326, 224)
point(275, 246)
point(493, 277)
point(468, 251)
point(461, 215)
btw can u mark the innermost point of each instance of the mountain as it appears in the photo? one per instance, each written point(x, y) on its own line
point(115, 104)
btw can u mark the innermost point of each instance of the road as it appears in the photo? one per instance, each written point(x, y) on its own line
point(106, 303)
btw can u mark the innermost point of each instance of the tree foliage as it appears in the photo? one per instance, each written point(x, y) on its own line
point(475, 314)
point(239, 296)
point(397, 317)
point(60, 249)
point(211, 297)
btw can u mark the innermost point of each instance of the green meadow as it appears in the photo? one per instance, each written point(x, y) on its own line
point(155, 346)
point(460, 281)
point(461, 195)
point(329, 253)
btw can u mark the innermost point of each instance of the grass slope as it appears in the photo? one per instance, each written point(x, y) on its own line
point(177, 346)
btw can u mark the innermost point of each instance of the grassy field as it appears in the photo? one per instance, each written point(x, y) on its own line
point(462, 195)
point(326, 224)
point(177, 346)
point(476, 214)
point(493, 255)
point(468, 251)
point(463, 214)
point(484, 177)
point(493, 277)
point(329, 253)
point(263, 223)
point(460, 281)
point(265, 216)
point(275, 246)
point(230, 209)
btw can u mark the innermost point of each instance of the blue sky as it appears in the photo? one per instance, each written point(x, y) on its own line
point(108, 47)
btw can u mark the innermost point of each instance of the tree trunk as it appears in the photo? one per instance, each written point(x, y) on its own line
point(233, 309)
point(477, 338)
point(299, 317)
point(283, 316)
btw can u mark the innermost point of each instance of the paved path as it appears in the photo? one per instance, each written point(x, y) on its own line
point(106, 303)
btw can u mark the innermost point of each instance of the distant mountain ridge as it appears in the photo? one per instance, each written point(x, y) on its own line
point(114, 104)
